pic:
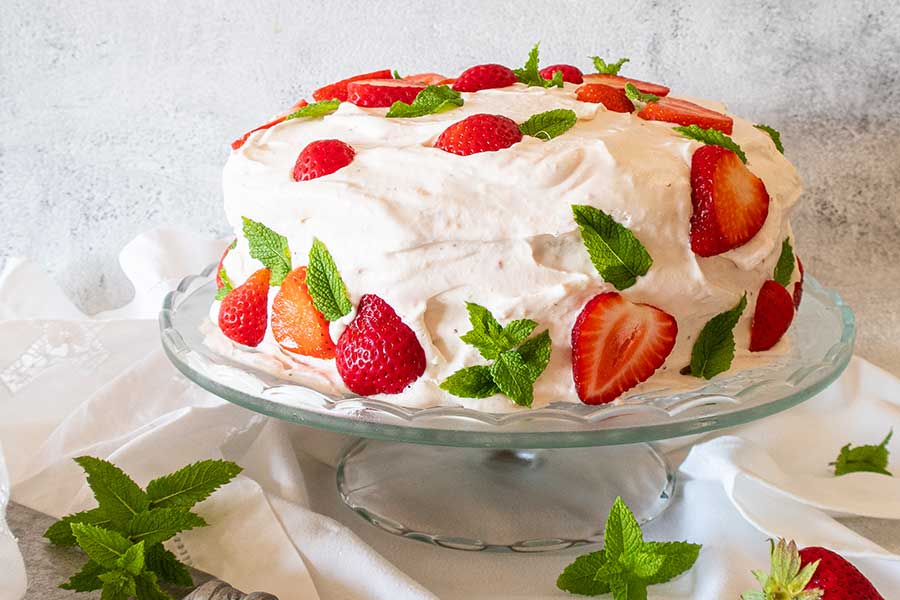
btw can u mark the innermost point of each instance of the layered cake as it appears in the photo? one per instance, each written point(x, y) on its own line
point(507, 238)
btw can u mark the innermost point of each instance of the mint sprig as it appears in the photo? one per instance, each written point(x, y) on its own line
point(712, 137)
point(618, 255)
point(870, 458)
point(326, 287)
point(530, 73)
point(316, 109)
point(627, 564)
point(774, 134)
point(518, 360)
point(636, 95)
point(784, 268)
point(550, 124)
point(714, 349)
point(270, 248)
point(123, 536)
point(431, 100)
point(606, 68)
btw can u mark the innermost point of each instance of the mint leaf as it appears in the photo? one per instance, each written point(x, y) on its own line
point(227, 286)
point(774, 134)
point(117, 586)
point(60, 533)
point(471, 382)
point(517, 332)
point(133, 559)
point(148, 588)
point(635, 95)
point(191, 484)
point(550, 124)
point(513, 377)
point(159, 524)
point(118, 495)
point(608, 68)
point(396, 74)
point(714, 349)
point(530, 75)
point(711, 137)
point(486, 334)
point(85, 580)
point(101, 545)
point(677, 557)
point(580, 576)
point(433, 99)
point(785, 266)
point(622, 534)
point(329, 294)
point(536, 353)
point(269, 248)
point(869, 458)
point(316, 109)
point(618, 255)
point(163, 563)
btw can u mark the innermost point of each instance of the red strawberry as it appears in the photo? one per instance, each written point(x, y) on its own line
point(426, 78)
point(378, 353)
point(772, 317)
point(321, 158)
point(616, 344)
point(242, 314)
point(479, 133)
point(219, 282)
point(730, 203)
point(612, 98)
point(297, 325)
point(682, 112)
point(484, 77)
point(798, 286)
point(374, 93)
point(618, 81)
point(338, 90)
point(570, 74)
point(835, 576)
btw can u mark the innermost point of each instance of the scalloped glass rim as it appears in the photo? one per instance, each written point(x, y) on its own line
point(822, 338)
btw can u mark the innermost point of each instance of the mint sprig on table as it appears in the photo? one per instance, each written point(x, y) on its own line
point(714, 349)
point(627, 564)
point(550, 124)
point(606, 68)
point(326, 287)
point(431, 100)
point(316, 109)
point(637, 96)
point(618, 255)
point(123, 536)
point(784, 268)
point(712, 137)
point(530, 74)
point(774, 134)
point(270, 248)
point(518, 360)
point(869, 458)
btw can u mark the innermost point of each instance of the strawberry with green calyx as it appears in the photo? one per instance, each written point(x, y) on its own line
point(787, 580)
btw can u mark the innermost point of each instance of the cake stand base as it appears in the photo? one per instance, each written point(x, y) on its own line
point(488, 499)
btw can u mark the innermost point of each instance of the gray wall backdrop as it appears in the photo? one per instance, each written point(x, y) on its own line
point(116, 115)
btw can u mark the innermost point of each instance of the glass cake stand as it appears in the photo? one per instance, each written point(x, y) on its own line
point(529, 480)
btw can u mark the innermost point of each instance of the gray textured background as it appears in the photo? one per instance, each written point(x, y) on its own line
point(116, 115)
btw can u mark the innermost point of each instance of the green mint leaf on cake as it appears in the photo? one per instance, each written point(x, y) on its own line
point(618, 255)
point(785, 266)
point(396, 74)
point(536, 353)
point(329, 294)
point(712, 137)
point(608, 68)
point(714, 349)
point(869, 458)
point(270, 248)
point(550, 124)
point(513, 377)
point(636, 95)
point(471, 382)
point(774, 134)
point(530, 75)
point(316, 109)
point(486, 335)
point(431, 100)
point(627, 564)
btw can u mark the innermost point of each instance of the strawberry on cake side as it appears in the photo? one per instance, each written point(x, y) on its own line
point(506, 238)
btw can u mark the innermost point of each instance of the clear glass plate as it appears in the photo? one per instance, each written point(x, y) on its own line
point(821, 344)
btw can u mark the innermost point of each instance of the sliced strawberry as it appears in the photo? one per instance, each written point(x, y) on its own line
point(243, 312)
point(616, 344)
point(798, 286)
point(484, 77)
point(322, 157)
point(297, 325)
point(619, 82)
point(772, 317)
point(219, 281)
point(240, 141)
point(378, 353)
point(730, 203)
point(682, 112)
point(374, 93)
point(426, 78)
point(570, 74)
point(449, 81)
point(612, 98)
point(338, 90)
point(479, 133)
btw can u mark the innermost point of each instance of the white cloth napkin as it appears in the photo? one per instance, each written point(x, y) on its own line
point(12, 569)
point(71, 385)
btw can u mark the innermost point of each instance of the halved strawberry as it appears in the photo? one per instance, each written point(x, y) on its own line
point(338, 89)
point(322, 157)
point(730, 203)
point(619, 82)
point(297, 325)
point(772, 317)
point(612, 98)
point(240, 141)
point(426, 78)
point(616, 344)
point(373, 93)
point(798, 287)
point(484, 77)
point(682, 112)
point(243, 312)
point(570, 74)
point(479, 133)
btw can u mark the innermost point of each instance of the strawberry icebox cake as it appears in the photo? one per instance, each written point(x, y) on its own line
point(506, 238)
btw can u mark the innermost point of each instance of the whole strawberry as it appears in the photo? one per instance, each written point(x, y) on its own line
point(570, 74)
point(322, 157)
point(479, 133)
point(484, 77)
point(243, 314)
point(378, 353)
point(835, 576)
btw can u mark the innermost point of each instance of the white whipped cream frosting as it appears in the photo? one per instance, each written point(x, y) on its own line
point(427, 230)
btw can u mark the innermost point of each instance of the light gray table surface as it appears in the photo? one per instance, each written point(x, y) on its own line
point(116, 117)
